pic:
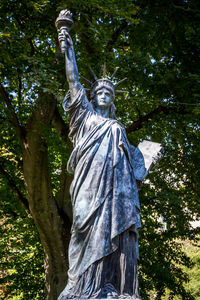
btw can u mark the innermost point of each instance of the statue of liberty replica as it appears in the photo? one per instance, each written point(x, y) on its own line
point(103, 250)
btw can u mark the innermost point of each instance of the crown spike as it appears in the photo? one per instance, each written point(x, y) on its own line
point(118, 83)
point(104, 70)
point(95, 76)
point(113, 75)
point(88, 81)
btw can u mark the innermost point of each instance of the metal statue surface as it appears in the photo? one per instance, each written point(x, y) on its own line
point(103, 250)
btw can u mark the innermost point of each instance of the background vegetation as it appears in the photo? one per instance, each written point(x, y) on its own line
point(156, 44)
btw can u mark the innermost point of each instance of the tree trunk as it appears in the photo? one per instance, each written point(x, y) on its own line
point(52, 224)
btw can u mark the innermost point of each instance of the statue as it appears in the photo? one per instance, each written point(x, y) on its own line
point(103, 250)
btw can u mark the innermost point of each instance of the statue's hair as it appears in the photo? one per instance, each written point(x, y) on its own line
point(112, 111)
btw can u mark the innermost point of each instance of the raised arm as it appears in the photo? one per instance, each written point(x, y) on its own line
point(70, 63)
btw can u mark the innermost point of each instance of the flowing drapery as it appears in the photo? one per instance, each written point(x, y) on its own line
point(103, 192)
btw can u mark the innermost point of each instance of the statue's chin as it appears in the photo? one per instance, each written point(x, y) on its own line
point(103, 107)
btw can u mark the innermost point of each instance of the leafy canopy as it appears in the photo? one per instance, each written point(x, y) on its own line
point(156, 45)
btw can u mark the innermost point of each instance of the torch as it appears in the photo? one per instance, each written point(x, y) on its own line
point(64, 22)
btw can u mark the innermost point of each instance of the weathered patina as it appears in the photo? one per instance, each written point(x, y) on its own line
point(103, 251)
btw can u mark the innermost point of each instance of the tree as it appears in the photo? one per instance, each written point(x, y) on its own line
point(21, 261)
point(156, 46)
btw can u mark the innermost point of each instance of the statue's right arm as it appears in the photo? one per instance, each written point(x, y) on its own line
point(70, 64)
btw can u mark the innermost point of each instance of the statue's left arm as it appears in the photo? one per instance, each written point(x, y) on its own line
point(145, 156)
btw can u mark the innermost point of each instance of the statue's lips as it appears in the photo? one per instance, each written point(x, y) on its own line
point(103, 101)
point(103, 104)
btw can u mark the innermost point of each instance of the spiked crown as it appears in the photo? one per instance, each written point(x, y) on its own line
point(103, 82)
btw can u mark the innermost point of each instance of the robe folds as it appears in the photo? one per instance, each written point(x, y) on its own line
point(103, 192)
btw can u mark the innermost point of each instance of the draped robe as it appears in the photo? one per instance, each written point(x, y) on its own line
point(103, 192)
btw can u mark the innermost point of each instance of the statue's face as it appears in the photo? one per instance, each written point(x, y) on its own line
point(103, 98)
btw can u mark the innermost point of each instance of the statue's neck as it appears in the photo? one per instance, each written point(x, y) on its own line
point(103, 112)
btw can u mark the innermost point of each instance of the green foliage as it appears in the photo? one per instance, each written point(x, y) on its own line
point(21, 263)
point(156, 45)
point(193, 285)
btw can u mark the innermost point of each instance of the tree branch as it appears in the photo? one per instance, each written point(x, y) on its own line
point(160, 109)
point(115, 36)
point(14, 120)
point(186, 9)
point(15, 189)
point(19, 90)
point(31, 46)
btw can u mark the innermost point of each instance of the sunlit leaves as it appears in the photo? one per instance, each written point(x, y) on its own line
point(156, 45)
